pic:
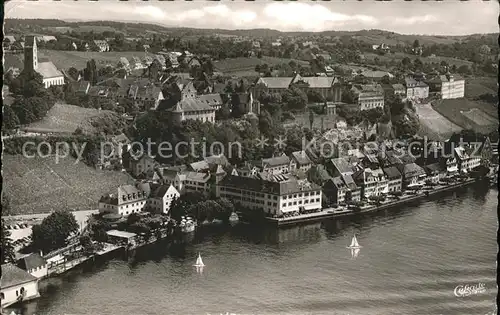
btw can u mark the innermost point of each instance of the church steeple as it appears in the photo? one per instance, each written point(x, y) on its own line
point(30, 54)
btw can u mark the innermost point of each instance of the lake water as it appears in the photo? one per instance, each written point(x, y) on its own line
point(412, 260)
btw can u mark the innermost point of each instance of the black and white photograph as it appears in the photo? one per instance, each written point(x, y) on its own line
point(250, 157)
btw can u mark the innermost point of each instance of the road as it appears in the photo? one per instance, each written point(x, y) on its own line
point(80, 216)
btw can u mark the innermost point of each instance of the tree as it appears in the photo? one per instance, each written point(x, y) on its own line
point(223, 113)
point(73, 73)
point(90, 72)
point(10, 119)
point(315, 97)
point(405, 62)
point(348, 97)
point(311, 119)
point(238, 107)
point(464, 69)
point(54, 230)
point(7, 248)
point(416, 44)
point(87, 244)
point(295, 99)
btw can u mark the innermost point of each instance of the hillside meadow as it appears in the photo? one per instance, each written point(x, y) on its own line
point(40, 185)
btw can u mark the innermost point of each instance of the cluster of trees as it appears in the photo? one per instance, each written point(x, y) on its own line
point(7, 249)
point(54, 231)
point(201, 208)
point(31, 100)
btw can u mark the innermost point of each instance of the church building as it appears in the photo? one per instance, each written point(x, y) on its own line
point(51, 75)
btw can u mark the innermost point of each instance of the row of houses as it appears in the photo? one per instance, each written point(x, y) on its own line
point(274, 184)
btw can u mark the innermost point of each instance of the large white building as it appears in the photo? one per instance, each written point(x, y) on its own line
point(273, 197)
point(449, 86)
point(146, 196)
point(369, 96)
point(49, 72)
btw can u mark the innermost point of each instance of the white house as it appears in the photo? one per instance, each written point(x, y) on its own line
point(129, 199)
point(161, 198)
point(34, 264)
point(17, 285)
point(449, 86)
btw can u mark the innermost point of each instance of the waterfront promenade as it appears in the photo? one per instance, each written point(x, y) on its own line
point(329, 213)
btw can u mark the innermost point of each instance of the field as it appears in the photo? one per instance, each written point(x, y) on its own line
point(246, 66)
point(433, 124)
point(399, 56)
point(477, 86)
point(78, 59)
point(480, 116)
point(65, 118)
point(36, 185)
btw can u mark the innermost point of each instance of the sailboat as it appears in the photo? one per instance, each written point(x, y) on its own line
point(354, 243)
point(199, 261)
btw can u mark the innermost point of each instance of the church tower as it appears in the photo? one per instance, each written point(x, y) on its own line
point(30, 54)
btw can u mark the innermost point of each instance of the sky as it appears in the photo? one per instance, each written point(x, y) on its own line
point(448, 17)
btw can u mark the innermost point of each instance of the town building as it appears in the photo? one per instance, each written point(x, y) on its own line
point(273, 197)
point(49, 72)
point(246, 101)
point(277, 165)
point(369, 96)
point(124, 63)
point(448, 86)
point(433, 172)
point(302, 160)
point(372, 182)
point(213, 100)
point(17, 285)
point(376, 75)
point(138, 164)
point(328, 87)
point(101, 45)
point(129, 199)
point(394, 178)
point(399, 90)
point(412, 174)
point(416, 89)
point(342, 189)
point(161, 197)
point(34, 264)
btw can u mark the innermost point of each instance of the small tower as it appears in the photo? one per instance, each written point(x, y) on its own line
point(30, 54)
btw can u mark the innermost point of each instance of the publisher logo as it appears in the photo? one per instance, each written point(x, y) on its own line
point(468, 290)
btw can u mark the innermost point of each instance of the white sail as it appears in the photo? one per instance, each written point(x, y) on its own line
point(354, 243)
point(199, 261)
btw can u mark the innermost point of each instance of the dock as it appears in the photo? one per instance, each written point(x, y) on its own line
point(332, 213)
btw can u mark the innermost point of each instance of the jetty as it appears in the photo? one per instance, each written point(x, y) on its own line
point(332, 213)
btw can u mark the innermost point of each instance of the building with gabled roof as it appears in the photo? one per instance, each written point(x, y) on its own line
point(302, 160)
point(328, 87)
point(17, 285)
point(394, 177)
point(100, 45)
point(272, 197)
point(161, 198)
point(129, 199)
point(49, 72)
point(416, 89)
point(34, 264)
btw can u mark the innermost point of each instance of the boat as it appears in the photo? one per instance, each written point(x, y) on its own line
point(199, 262)
point(233, 218)
point(354, 243)
point(217, 221)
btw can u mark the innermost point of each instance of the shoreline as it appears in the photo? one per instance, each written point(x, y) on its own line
point(331, 213)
